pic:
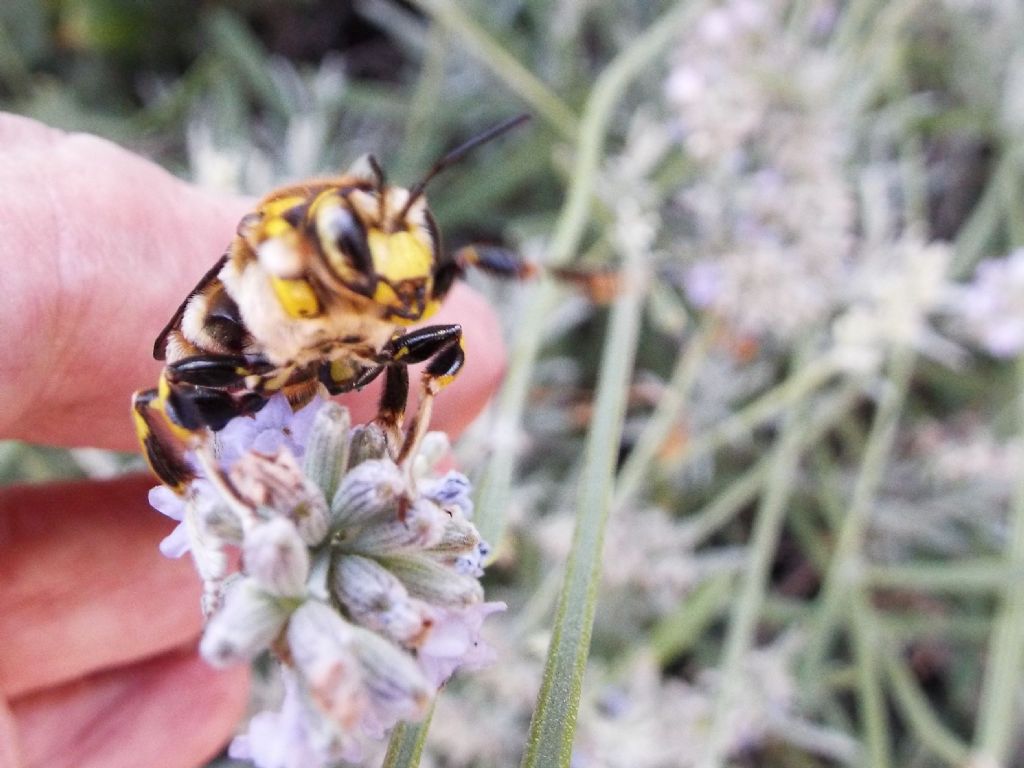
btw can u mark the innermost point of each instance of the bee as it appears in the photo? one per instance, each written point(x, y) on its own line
point(314, 292)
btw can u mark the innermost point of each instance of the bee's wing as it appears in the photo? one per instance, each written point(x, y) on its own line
point(160, 345)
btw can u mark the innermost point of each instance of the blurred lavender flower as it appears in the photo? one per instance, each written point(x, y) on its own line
point(991, 307)
point(359, 576)
point(895, 291)
point(772, 205)
point(644, 720)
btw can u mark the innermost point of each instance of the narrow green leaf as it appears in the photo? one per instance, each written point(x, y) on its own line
point(509, 69)
point(244, 52)
point(406, 745)
point(554, 720)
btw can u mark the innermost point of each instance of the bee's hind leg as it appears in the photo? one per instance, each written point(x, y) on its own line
point(163, 442)
point(170, 419)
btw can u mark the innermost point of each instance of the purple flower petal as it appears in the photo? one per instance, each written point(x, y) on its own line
point(167, 502)
point(176, 543)
point(703, 282)
point(452, 490)
point(454, 642)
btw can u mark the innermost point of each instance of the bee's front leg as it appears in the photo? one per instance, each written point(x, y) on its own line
point(442, 346)
point(218, 371)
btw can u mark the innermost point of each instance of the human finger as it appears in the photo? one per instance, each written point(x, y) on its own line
point(9, 754)
point(82, 584)
point(171, 711)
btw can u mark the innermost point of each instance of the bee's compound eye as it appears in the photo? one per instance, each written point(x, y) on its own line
point(344, 239)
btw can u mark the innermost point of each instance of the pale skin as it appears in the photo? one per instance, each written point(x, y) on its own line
point(97, 630)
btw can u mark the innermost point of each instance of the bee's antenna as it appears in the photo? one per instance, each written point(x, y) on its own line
point(378, 172)
point(456, 155)
point(382, 181)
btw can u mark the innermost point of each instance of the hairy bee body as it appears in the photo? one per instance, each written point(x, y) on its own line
point(290, 311)
point(314, 292)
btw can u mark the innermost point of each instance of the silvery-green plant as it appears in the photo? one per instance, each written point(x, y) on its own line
point(358, 576)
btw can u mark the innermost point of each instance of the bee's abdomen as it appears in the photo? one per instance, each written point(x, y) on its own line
point(224, 322)
point(213, 324)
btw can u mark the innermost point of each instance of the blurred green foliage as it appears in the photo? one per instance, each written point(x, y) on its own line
point(276, 90)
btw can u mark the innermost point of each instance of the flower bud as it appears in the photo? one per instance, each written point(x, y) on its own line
point(368, 442)
point(434, 447)
point(216, 516)
point(421, 527)
point(207, 550)
point(376, 599)
point(275, 556)
point(296, 736)
point(461, 548)
point(369, 491)
point(245, 625)
point(320, 643)
point(326, 454)
point(397, 688)
point(428, 580)
point(454, 642)
point(451, 491)
point(458, 537)
point(277, 482)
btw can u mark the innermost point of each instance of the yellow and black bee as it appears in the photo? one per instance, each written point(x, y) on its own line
point(313, 291)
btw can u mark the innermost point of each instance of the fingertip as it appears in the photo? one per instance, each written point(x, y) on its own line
point(19, 131)
point(172, 710)
point(100, 246)
point(463, 400)
point(9, 750)
point(81, 572)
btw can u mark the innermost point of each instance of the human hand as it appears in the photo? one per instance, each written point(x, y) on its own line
point(97, 631)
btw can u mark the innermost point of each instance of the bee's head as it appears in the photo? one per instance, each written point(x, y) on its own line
point(350, 235)
point(356, 233)
point(379, 241)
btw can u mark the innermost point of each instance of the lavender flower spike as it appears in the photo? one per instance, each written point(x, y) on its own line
point(991, 307)
point(360, 577)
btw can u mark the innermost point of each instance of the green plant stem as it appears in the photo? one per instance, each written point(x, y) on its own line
point(496, 480)
point(829, 490)
point(914, 706)
point(808, 536)
point(940, 626)
point(241, 48)
point(406, 744)
point(677, 632)
point(1012, 195)
point(982, 574)
point(998, 721)
point(423, 109)
point(766, 407)
point(665, 415)
point(747, 607)
point(503, 64)
point(869, 688)
point(553, 724)
point(846, 558)
point(977, 232)
point(14, 73)
point(741, 491)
